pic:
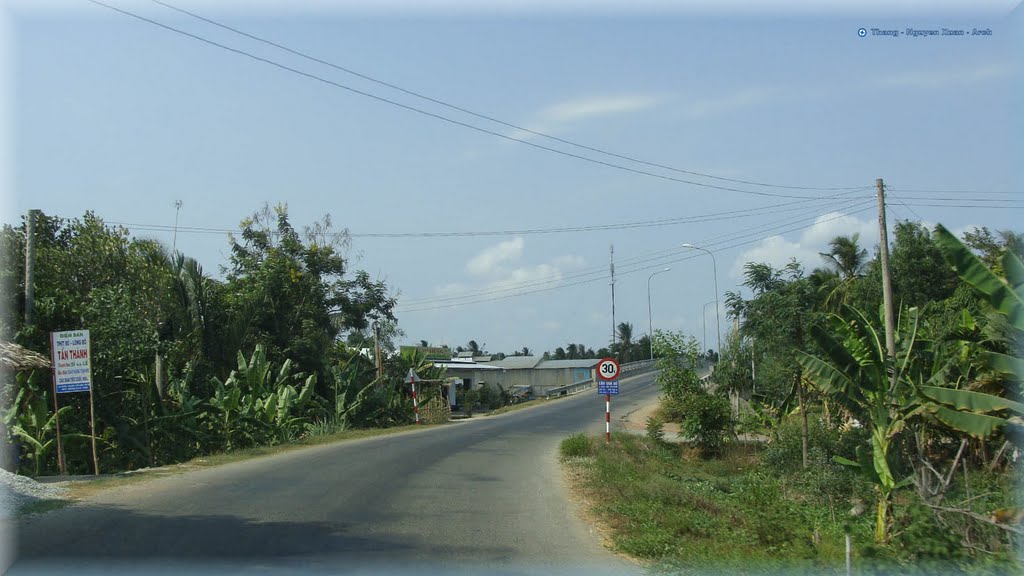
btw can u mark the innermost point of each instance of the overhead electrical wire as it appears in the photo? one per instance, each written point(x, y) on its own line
point(924, 191)
point(655, 256)
point(844, 201)
point(441, 117)
point(658, 258)
point(486, 116)
point(727, 215)
point(962, 199)
point(458, 304)
point(976, 206)
point(899, 200)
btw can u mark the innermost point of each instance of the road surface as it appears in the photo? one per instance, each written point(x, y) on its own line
point(479, 496)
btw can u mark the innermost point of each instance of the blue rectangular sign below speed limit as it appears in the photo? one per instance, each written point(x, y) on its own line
point(608, 387)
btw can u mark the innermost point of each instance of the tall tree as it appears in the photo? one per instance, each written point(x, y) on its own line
point(295, 285)
point(845, 257)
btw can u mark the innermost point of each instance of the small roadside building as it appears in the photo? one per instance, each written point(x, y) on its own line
point(547, 377)
point(467, 373)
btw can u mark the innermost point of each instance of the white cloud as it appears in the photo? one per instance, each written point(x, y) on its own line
point(559, 115)
point(552, 326)
point(500, 267)
point(743, 98)
point(584, 108)
point(528, 275)
point(491, 259)
point(828, 226)
point(941, 78)
point(569, 261)
point(778, 251)
point(451, 289)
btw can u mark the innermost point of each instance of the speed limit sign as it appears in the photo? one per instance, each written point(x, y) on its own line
point(608, 369)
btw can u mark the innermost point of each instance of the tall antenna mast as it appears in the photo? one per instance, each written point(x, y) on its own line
point(174, 243)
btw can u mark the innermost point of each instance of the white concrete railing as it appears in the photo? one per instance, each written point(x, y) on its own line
point(647, 364)
point(635, 366)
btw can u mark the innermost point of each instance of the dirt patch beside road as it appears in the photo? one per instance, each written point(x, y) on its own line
point(636, 420)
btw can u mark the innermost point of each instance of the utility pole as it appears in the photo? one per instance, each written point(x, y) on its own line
point(612, 248)
point(177, 209)
point(890, 315)
point(376, 346)
point(30, 267)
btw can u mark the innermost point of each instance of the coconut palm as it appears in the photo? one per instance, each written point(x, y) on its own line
point(844, 262)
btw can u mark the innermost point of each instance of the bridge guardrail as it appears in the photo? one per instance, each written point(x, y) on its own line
point(635, 366)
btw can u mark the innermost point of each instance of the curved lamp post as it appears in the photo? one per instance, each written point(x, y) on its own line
point(718, 319)
point(650, 321)
point(704, 314)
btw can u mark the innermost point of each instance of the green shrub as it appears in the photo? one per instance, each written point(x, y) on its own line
point(469, 401)
point(490, 398)
point(324, 427)
point(707, 421)
point(577, 446)
point(655, 429)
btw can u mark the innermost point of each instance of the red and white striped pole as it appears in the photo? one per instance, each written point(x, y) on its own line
point(415, 404)
point(607, 418)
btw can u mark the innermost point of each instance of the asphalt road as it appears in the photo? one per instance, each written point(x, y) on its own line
point(479, 496)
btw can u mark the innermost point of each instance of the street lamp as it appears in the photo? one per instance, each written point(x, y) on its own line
point(704, 314)
point(650, 321)
point(718, 319)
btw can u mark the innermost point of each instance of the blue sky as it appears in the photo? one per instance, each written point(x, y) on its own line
point(111, 114)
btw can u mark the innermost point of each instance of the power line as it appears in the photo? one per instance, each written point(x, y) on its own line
point(899, 200)
point(714, 216)
point(438, 116)
point(976, 206)
point(962, 199)
point(458, 304)
point(844, 201)
point(924, 191)
point(485, 116)
point(637, 261)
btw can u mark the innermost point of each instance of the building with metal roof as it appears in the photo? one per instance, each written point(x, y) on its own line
point(518, 362)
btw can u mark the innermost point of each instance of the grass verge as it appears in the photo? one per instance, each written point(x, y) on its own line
point(661, 505)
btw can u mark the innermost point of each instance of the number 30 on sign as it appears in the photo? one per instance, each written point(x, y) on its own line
point(608, 369)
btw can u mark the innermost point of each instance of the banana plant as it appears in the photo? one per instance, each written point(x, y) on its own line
point(857, 373)
point(963, 407)
point(36, 428)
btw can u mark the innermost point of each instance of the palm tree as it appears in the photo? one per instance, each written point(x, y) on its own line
point(845, 257)
point(626, 344)
point(844, 263)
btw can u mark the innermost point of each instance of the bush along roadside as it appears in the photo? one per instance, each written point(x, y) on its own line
point(741, 513)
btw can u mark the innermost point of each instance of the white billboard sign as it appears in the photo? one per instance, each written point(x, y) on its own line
point(72, 362)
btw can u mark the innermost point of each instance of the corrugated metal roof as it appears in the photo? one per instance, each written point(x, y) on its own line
point(554, 364)
point(465, 366)
point(518, 362)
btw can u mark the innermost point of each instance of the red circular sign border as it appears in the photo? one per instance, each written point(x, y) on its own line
point(618, 369)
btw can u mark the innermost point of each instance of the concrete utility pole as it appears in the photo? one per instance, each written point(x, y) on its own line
point(612, 248)
point(30, 267)
point(887, 298)
point(376, 352)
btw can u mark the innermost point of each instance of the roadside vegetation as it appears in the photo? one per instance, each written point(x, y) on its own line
point(916, 459)
point(186, 365)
